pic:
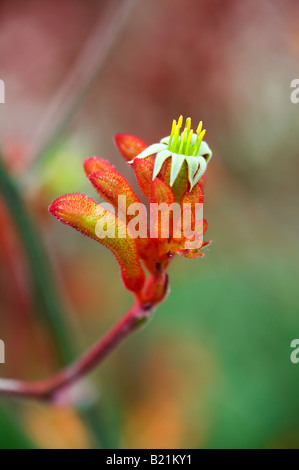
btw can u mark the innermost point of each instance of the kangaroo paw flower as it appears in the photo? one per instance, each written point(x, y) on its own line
point(89, 218)
point(171, 175)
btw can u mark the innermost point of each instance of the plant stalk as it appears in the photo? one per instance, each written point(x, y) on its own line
point(49, 389)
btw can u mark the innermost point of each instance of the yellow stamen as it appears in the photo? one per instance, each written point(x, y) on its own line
point(199, 127)
point(189, 138)
point(180, 121)
point(183, 139)
point(175, 138)
point(172, 131)
point(198, 142)
point(201, 135)
point(188, 124)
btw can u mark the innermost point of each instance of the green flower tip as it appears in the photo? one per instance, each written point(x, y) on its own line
point(181, 146)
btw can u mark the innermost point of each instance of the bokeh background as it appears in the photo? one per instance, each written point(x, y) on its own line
point(212, 369)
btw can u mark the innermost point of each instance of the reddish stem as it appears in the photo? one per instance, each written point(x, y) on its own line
point(48, 389)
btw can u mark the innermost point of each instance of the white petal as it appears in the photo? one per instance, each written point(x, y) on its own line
point(154, 148)
point(204, 149)
point(192, 168)
point(159, 160)
point(202, 169)
point(165, 140)
point(176, 165)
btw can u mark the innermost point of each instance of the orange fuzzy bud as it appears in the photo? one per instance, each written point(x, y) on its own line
point(129, 145)
point(195, 196)
point(110, 185)
point(84, 214)
point(161, 192)
point(94, 164)
point(144, 173)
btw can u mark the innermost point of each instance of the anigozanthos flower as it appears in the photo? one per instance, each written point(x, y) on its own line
point(171, 178)
point(181, 146)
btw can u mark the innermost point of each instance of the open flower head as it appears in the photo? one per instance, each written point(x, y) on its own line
point(181, 146)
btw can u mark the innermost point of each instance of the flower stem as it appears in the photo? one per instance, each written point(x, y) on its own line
point(48, 389)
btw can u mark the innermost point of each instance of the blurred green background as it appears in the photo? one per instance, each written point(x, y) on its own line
point(212, 369)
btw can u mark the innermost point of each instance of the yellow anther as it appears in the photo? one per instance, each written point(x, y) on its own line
point(172, 131)
point(189, 138)
point(175, 140)
point(199, 127)
point(201, 135)
point(198, 142)
point(183, 139)
point(188, 124)
point(180, 121)
point(173, 127)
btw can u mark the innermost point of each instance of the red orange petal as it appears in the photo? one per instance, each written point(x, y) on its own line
point(84, 214)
